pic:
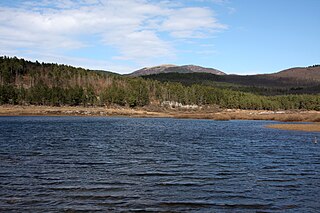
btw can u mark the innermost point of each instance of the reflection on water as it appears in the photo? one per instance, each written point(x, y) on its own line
point(126, 164)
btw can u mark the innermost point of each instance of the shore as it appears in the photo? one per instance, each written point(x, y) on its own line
point(214, 114)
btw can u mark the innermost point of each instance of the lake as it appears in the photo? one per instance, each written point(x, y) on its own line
point(54, 164)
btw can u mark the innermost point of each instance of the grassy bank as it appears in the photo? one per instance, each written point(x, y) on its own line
point(214, 114)
point(16, 110)
point(315, 127)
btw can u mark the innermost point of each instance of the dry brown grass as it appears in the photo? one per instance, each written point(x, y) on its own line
point(298, 127)
point(289, 116)
point(222, 117)
point(9, 110)
point(303, 117)
point(315, 118)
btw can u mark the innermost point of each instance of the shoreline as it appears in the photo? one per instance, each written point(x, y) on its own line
point(156, 112)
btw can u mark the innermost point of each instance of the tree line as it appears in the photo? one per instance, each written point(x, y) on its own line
point(24, 82)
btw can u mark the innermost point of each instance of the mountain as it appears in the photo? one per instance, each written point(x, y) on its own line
point(169, 68)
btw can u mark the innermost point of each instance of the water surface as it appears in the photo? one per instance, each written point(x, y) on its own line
point(54, 164)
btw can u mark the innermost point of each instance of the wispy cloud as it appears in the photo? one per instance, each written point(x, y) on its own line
point(191, 22)
point(215, 1)
point(137, 29)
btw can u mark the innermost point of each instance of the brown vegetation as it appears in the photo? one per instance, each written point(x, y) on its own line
point(315, 127)
point(307, 73)
point(223, 115)
point(205, 113)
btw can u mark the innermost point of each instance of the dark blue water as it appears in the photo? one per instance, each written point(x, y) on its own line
point(54, 164)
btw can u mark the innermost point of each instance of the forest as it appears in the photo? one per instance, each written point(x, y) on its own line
point(24, 82)
point(267, 85)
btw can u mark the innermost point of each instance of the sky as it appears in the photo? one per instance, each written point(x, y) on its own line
point(235, 36)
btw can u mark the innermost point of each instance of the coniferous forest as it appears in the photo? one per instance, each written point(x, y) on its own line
point(32, 83)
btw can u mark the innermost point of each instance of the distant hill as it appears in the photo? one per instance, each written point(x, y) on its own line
point(191, 74)
point(290, 81)
point(169, 68)
point(302, 73)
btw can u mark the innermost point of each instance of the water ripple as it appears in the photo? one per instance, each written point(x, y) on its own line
point(71, 164)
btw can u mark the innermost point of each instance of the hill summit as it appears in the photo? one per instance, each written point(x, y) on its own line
point(169, 68)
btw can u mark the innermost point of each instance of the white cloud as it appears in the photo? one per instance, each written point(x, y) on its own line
point(139, 46)
point(134, 28)
point(191, 22)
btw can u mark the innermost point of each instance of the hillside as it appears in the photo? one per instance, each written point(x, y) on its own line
point(168, 68)
point(291, 81)
point(32, 83)
point(311, 73)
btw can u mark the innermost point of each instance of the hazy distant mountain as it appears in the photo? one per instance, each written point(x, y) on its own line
point(169, 68)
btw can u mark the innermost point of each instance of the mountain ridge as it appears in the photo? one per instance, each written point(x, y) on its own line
point(310, 73)
point(170, 68)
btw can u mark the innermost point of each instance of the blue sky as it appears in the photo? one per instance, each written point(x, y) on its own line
point(234, 36)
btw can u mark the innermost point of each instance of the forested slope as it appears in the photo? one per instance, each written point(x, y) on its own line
point(25, 82)
point(269, 85)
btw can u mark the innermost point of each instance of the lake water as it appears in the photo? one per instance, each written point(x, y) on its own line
point(54, 164)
